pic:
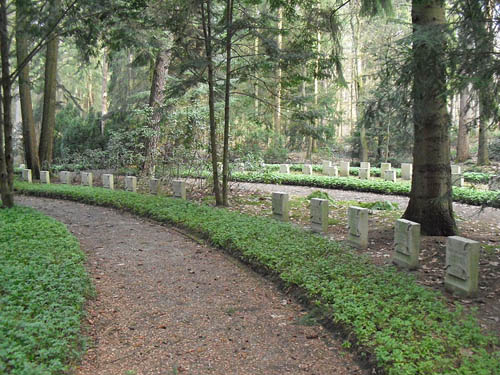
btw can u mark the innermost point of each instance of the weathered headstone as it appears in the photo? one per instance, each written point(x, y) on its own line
point(108, 181)
point(456, 169)
point(406, 171)
point(364, 164)
point(384, 167)
point(358, 226)
point(494, 183)
point(87, 178)
point(179, 188)
point(326, 164)
point(344, 169)
point(307, 169)
point(364, 173)
point(333, 171)
point(131, 183)
point(154, 186)
point(284, 168)
point(462, 265)
point(406, 244)
point(319, 215)
point(280, 206)
point(26, 174)
point(45, 177)
point(457, 179)
point(390, 175)
point(65, 177)
point(22, 166)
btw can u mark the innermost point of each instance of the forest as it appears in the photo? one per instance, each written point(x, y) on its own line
point(152, 87)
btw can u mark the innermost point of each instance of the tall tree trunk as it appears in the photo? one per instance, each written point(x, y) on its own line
point(156, 98)
point(104, 90)
point(465, 118)
point(430, 197)
point(28, 121)
point(227, 108)
point(206, 17)
point(6, 156)
point(484, 117)
point(279, 73)
point(49, 94)
point(256, 84)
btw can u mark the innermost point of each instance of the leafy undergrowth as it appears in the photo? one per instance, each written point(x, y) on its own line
point(462, 195)
point(406, 328)
point(43, 286)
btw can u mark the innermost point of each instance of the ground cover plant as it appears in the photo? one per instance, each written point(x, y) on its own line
point(43, 286)
point(406, 328)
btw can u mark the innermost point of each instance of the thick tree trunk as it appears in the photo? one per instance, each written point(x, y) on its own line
point(465, 118)
point(430, 197)
point(484, 117)
point(6, 157)
point(46, 149)
point(279, 73)
point(104, 90)
point(227, 107)
point(206, 17)
point(28, 121)
point(156, 98)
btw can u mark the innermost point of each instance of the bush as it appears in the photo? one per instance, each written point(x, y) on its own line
point(406, 328)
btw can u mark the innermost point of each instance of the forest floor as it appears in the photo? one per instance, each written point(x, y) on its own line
point(168, 304)
point(480, 224)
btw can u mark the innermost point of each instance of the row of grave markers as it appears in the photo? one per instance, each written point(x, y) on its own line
point(462, 254)
point(65, 177)
point(386, 171)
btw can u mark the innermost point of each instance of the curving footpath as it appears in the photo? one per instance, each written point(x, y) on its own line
point(167, 304)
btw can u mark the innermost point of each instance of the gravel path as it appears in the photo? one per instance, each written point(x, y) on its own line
point(168, 305)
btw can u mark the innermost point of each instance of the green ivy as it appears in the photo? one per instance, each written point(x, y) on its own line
point(407, 328)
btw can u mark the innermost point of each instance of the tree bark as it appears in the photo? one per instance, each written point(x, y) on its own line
point(465, 118)
point(430, 197)
point(279, 73)
point(484, 117)
point(6, 156)
point(227, 104)
point(156, 98)
point(104, 90)
point(28, 121)
point(206, 17)
point(49, 95)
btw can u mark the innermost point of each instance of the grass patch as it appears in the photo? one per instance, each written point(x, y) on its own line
point(407, 328)
point(43, 286)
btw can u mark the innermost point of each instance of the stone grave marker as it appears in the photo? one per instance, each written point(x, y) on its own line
point(65, 177)
point(364, 173)
point(406, 244)
point(457, 179)
point(358, 226)
point(390, 175)
point(319, 215)
point(87, 178)
point(364, 164)
point(344, 168)
point(131, 183)
point(406, 171)
point(22, 166)
point(494, 183)
point(280, 206)
point(284, 168)
point(326, 164)
point(154, 186)
point(457, 169)
point(108, 181)
point(462, 266)
point(384, 167)
point(45, 177)
point(307, 169)
point(179, 188)
point(26, 174)
point(333, 171)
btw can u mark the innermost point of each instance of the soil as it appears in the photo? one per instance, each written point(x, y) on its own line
point(168, 304)
point(476, 223)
